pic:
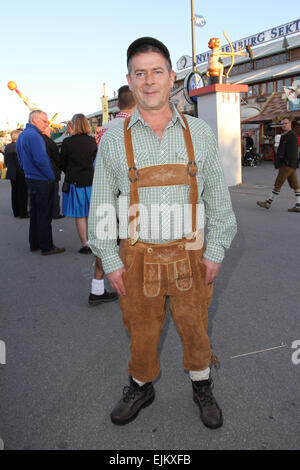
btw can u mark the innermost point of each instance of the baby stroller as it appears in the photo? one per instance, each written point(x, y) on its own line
point(251, 157)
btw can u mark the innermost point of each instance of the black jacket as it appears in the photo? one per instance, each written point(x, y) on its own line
point(11, 162)
point(287, 153)
point(53, 154)
point(78, 153)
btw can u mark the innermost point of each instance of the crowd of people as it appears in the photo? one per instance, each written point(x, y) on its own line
point(34, 165)
point(153, 155)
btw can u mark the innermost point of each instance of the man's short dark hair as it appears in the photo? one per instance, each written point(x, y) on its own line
point(147, 44)
point(125, 98)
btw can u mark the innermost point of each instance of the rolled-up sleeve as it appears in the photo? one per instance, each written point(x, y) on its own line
point(102, 224)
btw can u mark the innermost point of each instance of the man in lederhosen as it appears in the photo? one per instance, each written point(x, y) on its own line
point(168, 168)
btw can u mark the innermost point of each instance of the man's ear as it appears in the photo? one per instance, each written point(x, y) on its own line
point(129, 81)
point(172, 78)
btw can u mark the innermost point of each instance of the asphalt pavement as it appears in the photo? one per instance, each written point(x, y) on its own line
point(63, 364)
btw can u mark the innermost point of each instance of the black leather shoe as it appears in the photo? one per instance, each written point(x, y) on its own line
point(100, 299)
point(134, 398)
point(210, 412)
point(85, 250)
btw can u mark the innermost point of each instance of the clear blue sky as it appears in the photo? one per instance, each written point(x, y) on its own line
point(61, 52)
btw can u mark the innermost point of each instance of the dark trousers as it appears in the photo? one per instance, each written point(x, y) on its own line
point(41, 206)
point(19, 196)
point(56, 201)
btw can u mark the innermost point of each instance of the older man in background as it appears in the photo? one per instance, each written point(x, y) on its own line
point(40, 179)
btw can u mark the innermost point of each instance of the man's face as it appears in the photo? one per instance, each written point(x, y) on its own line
point(150, 81)
point(286, 125)
point(47, 131)
point(41, 121)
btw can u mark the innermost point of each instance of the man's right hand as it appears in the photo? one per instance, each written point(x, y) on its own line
point(116, 281)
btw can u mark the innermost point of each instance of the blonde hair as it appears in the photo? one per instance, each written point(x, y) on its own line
point(80, 124)
point(14, 134)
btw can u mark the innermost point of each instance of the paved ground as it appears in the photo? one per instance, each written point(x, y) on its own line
point(66, 362)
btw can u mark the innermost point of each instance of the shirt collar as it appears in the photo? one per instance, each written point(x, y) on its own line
point(122, 115)
point(34, 127)
point(136, 116)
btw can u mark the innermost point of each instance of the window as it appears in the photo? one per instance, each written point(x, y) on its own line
point(242, 68)
point(270, 87)
point(255, 90)
point(279, 85)
point(275, 59)
point(263, 88)
point(259, 64)
point(266, 62)
point(283, 57)
point(248, 67)
point(287, 81)
point(250, 91)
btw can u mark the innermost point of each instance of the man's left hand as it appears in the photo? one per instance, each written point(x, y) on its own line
point(212, 270)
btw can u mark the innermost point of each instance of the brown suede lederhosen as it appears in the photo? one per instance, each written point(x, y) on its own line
point(154, 271)
point(286, 173)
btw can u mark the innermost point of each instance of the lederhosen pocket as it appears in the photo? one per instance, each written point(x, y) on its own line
point(176, 264)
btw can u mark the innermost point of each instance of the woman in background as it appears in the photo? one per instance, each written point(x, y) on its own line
point(19, 192)
point(78, 153)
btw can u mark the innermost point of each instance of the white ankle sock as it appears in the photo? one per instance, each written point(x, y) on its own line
point(273, 195)
point(197, 375)
point(138, 382)
point(297, 199)
point(97, 286)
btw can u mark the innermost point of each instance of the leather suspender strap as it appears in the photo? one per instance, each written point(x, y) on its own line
point(133, 178)
point(192, 171)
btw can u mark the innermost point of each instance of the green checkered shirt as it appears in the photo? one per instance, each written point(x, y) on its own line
point(165, 210)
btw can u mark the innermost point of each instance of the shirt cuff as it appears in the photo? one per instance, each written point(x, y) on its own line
point(111, 263)
point(110, 258)
point(214, 253)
